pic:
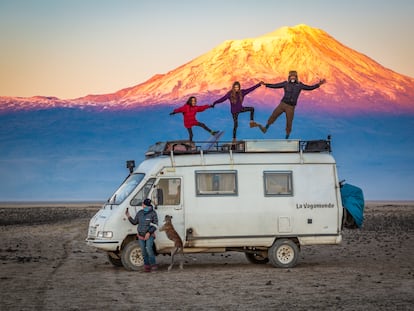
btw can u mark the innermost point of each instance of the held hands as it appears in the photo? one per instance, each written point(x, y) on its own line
point(212, 105)
point(262, 83)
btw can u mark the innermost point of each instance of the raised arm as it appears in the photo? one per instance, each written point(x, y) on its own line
point(222, 99)
point(180, 109)
point(251, 89)
point(134, 220)
point(203, 107)
point(276, 85)
point(314, 86)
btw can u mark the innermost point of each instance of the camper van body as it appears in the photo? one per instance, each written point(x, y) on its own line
point(264, 197)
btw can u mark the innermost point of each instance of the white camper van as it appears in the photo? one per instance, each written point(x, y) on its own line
point(265, 198)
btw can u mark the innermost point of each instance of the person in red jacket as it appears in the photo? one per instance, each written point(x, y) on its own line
point(189, 110)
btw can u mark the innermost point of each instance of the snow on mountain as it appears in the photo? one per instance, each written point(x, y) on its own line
point(355, 82)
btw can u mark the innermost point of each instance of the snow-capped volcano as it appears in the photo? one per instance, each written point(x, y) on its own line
point(355, 82)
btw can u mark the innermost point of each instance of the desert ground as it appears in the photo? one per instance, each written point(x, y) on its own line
point(46, 265)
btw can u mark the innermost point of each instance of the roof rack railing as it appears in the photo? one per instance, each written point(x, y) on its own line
point(242, 146)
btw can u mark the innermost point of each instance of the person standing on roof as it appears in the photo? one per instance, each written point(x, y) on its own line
point(236, 96)
point(147, 220)
point(292, 88)
point(189, 110)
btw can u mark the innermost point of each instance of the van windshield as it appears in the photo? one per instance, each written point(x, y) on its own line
point(126, 188)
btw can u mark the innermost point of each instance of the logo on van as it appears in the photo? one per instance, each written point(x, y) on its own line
point(312, 205)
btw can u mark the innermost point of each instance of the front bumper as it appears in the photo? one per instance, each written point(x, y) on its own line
point(106, 245)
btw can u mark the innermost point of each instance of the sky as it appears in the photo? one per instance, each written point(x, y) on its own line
point(70, 49)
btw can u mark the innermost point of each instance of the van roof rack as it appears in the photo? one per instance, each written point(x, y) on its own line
point(179, 147)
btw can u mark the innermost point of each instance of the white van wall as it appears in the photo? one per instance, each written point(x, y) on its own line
point(311, 210)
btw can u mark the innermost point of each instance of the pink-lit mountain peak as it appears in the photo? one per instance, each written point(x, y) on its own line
point(352, 77)
point(355, 82)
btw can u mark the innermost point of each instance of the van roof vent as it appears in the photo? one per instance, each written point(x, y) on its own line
point(271, 145)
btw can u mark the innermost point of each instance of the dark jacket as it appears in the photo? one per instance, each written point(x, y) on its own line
point(236, 106)
point(292, 90)
point(144, 219)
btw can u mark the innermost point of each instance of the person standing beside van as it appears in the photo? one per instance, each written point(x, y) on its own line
point(292, 88)
point(147, 220)
point(189, 110)
point(236, 96)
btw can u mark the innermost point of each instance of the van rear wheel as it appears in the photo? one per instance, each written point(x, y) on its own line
point(131, 256)
point(256, 258)
point(283, 253)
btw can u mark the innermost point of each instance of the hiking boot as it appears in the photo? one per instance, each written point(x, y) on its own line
point(263, 128)
point(253, 124)
point(287, 136)
point(147, 268)
point(214, 132)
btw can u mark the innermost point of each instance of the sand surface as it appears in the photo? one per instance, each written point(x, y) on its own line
point(46, 265)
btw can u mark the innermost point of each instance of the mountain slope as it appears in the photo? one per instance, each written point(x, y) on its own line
point(355, 82)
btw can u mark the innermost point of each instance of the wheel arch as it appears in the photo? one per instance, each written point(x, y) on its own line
point(294, 239)
point(128, 238)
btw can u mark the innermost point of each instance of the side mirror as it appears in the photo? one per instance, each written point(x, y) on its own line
point(135, 202)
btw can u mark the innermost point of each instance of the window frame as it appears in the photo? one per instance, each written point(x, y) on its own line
point(168, 178)
point(217, 193)
point(289, 174)
point(149, 183)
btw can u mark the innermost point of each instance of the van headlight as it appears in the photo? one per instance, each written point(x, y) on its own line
point(105, 234)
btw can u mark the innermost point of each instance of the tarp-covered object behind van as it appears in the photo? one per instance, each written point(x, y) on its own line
point(353, 200)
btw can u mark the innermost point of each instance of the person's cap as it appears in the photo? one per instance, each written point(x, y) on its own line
point(293, 73)
point(147, 202)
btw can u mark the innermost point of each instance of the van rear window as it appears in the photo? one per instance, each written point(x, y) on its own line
point(278, 183)
point(216, 182)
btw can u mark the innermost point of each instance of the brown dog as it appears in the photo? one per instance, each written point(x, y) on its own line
point(173, 236)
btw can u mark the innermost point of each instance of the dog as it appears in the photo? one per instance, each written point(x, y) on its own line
point(173, 236)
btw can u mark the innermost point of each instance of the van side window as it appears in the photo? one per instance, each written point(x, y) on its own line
point(278, 183)
point(169, 191)
point(216, 182)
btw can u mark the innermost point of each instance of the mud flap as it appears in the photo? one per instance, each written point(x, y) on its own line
point(353, 202)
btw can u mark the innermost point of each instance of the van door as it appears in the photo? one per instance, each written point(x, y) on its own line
point(167, 196)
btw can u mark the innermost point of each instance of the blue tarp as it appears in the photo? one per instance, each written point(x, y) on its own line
point(353, 200)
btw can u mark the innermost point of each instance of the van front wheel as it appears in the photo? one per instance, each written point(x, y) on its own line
point(284, 253)
point(131, 256)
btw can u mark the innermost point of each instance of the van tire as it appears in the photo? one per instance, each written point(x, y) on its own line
point(256, 259)
point(115, 259)
point(284, 253)
point(131, 256)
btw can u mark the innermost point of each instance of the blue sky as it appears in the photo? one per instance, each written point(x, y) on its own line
point(73, 48)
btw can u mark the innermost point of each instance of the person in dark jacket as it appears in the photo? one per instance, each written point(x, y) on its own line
point(292, 88)
point(189, 110)
point(147, 220)
point(236, 96)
